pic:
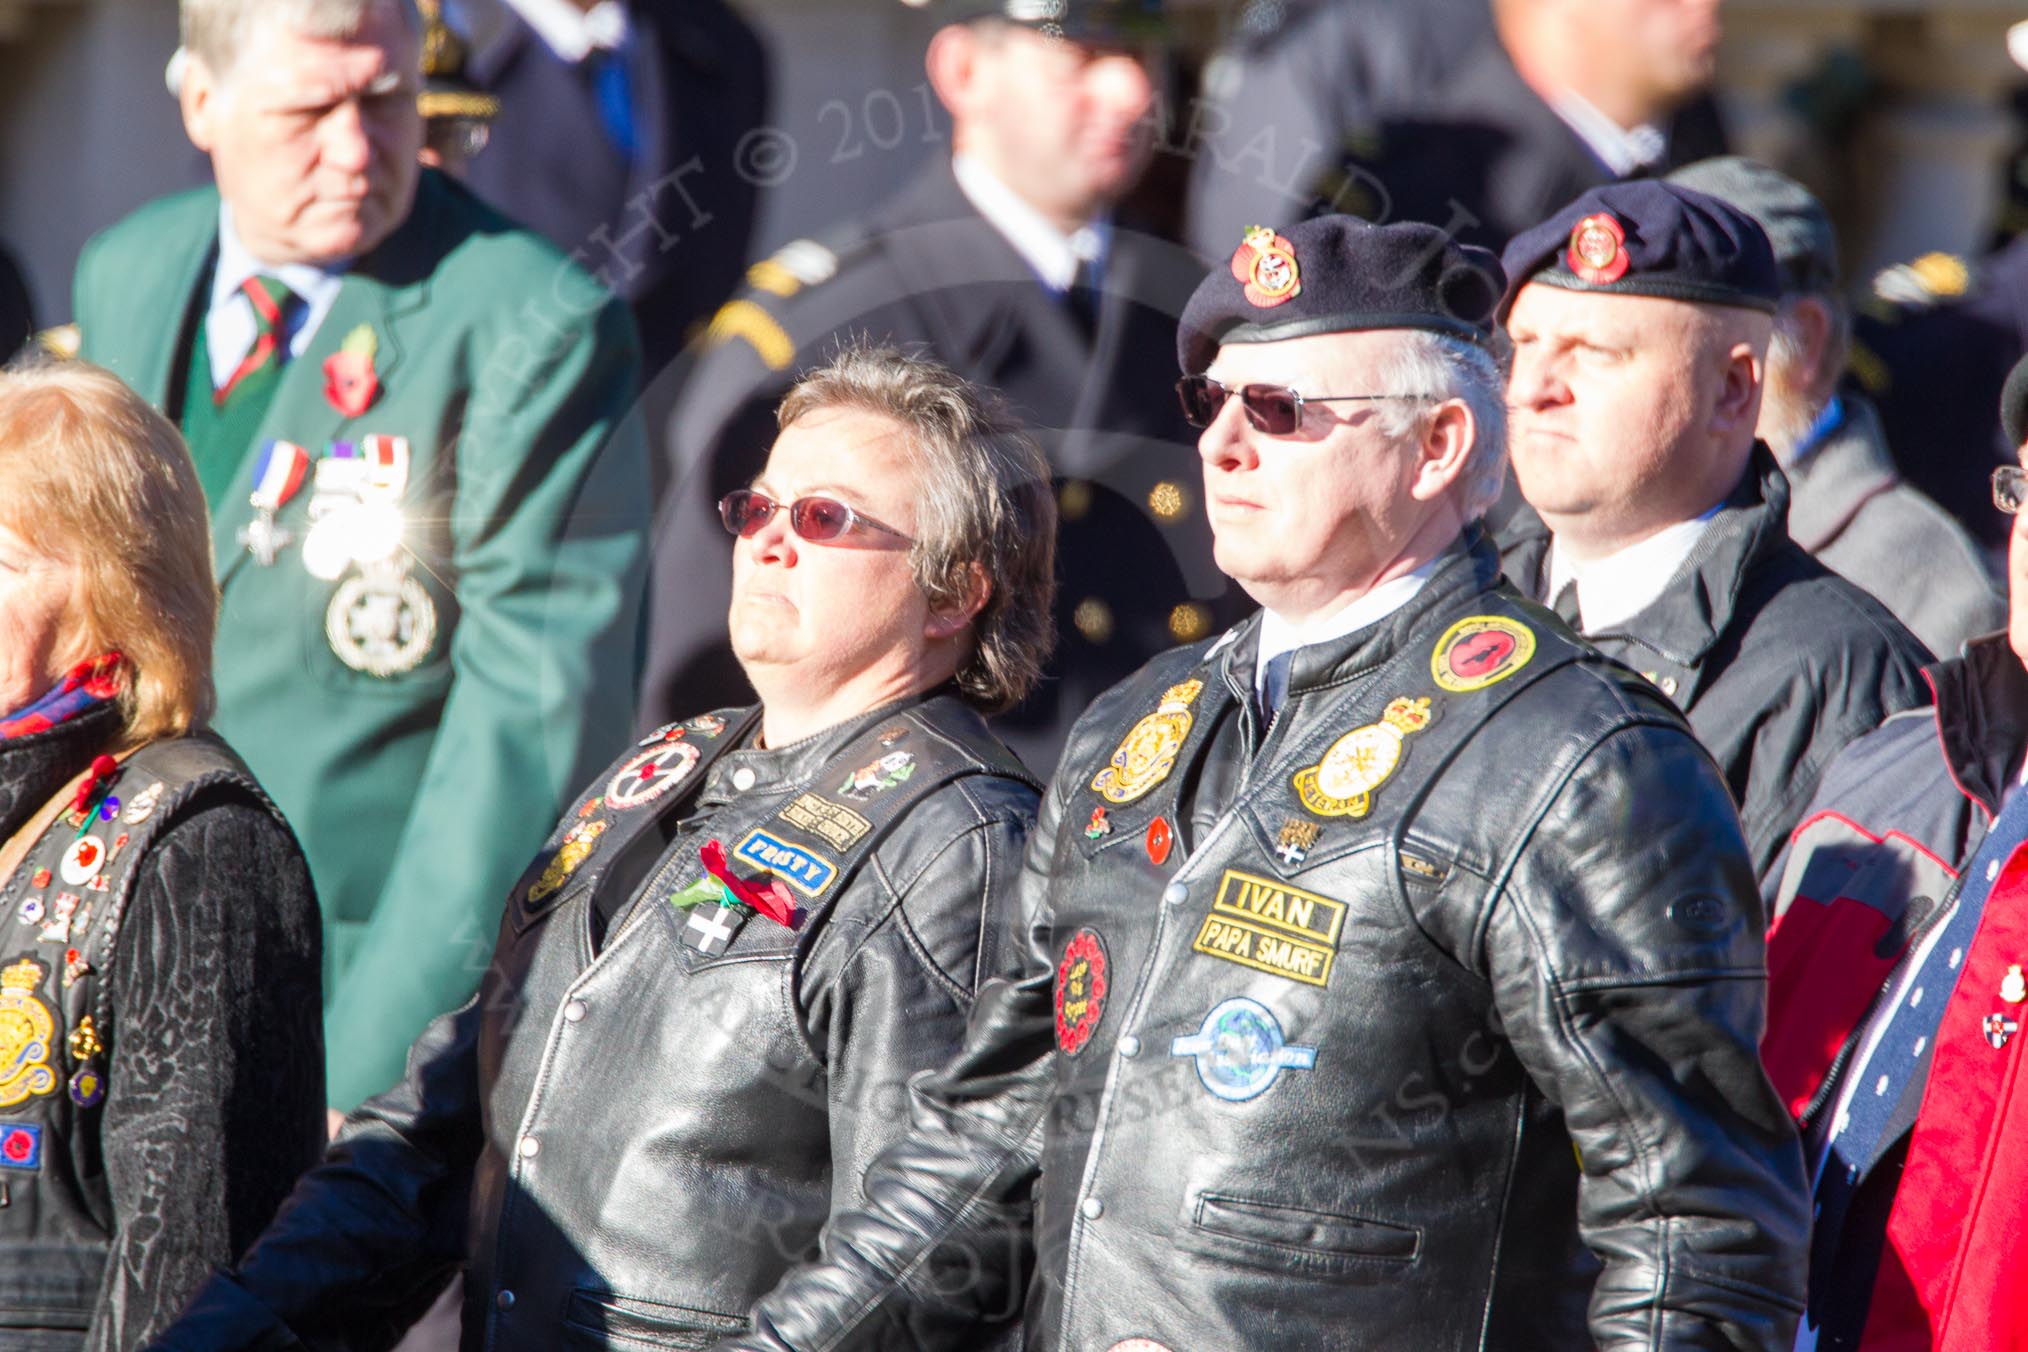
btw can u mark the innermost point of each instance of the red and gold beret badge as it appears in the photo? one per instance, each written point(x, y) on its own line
point(1266, 264)
point(1598, 249)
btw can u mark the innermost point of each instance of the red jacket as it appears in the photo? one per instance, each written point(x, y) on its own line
point(1941, 1250)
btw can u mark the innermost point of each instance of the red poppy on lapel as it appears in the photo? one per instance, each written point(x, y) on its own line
point(349, 379)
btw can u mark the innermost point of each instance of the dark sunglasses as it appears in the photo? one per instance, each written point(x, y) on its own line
point(817, 520)
point(1274, 409)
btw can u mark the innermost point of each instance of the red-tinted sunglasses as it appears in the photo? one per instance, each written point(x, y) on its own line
point(818, 520)
point(1274, 409)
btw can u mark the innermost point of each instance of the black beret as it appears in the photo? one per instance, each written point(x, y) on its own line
point(1078, 20)
point(1339, 274)
point(2014, 404)
point(1647, 237)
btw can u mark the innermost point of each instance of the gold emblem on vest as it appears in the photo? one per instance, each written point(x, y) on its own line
point(1283, 931)
point(1148, 754)
point(827, 821)
point(26, 1029)
point(1343, 782)
point(577, 847)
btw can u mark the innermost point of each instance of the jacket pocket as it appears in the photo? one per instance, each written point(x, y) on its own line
point(597, 1319)
point(1305, 1232)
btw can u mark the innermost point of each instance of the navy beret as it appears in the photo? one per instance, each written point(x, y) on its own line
point(1647, 237)
point(1339, 274)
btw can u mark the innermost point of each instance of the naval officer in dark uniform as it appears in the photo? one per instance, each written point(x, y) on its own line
point(1391, 971)
point(739, 942)
point(1005, 262)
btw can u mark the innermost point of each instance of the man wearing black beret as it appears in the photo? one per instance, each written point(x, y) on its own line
point(1389, 970)
point(1640, 316)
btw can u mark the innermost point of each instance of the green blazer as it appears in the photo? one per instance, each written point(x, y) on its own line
point(419, 797)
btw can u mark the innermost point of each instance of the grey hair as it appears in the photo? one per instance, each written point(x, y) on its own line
point(213, 31)
point(985, 499)
point(1438, 368)
point(1785, 342)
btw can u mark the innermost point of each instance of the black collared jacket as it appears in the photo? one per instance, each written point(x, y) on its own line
point(625, 1139)
point(1777, 661)
point(1424, 1017)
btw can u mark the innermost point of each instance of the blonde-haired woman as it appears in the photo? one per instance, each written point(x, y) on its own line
point(161, 1057)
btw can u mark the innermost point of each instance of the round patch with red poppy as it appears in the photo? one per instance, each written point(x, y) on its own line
point(1479, 651)
point(1081, 982)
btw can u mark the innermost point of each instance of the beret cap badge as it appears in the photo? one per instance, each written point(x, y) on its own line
point(1265, 265)
point(1598, 252)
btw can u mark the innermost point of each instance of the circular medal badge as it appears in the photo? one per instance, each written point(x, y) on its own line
point(383, 626)
point(1598, 249)
point(1081, 982)
point(1138, 1345)
point(1478, 651)
point(83, 861)
point(651, 774)
point(1358, 762)
point(1266, 268)
point(1148, 753)
point(1342, 783)
point(1241, 1050)
point(87, 1087)
point(326, 551)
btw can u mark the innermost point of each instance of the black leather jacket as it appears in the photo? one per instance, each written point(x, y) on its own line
point(627, 1143)
point(1319, 1072)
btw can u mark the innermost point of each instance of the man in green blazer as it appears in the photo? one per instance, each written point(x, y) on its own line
point(412, 419)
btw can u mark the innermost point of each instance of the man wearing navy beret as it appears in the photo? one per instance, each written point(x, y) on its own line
point(1640, 316)
point(1388, 970)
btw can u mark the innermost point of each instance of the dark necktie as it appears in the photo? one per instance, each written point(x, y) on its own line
point(1082, 297)
point(1274, 686)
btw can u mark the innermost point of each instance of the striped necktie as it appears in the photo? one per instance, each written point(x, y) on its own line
point(271, 305)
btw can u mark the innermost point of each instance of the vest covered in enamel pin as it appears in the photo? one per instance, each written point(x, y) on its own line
point(659, 1115)
point(60, 917)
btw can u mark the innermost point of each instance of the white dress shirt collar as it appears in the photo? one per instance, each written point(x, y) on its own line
point(1614, 589)
point(229, 323)
point(1278, 636)
point(573, 33)
point(1054, 255)
point(1620, 149)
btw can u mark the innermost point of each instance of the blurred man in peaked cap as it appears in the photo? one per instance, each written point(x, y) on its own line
point(1007, 262)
